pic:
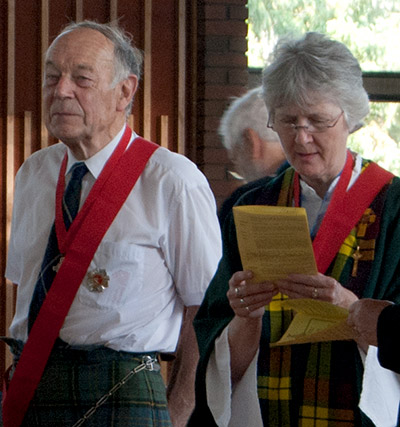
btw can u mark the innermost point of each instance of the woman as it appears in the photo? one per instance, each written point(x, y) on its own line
point(313, 91)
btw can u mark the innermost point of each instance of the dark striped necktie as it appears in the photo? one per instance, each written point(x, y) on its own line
point(52, 256)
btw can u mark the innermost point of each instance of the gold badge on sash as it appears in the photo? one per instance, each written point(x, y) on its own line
point(97, 280)
point(365, 250)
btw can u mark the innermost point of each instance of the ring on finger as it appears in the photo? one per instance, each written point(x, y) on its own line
point(247, 308)
point(242, 301)
point(237, 291)
point(315, 293)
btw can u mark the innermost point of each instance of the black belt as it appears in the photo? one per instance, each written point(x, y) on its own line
point(63, 350)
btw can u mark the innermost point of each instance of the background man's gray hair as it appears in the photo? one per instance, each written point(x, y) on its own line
point(247, 111)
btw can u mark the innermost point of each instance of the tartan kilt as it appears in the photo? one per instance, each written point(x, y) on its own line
point(74, 380)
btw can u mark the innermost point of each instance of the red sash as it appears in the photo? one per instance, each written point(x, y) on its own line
point(51, 317)
point(346, 209)
point(65, 237)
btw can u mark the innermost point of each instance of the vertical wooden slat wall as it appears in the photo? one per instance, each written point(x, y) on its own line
point(3, 168)
point(158, 27)
point(44, 43)
point(10, 141)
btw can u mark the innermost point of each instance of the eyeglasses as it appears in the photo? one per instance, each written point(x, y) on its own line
point(314, 126)
point(232, 175)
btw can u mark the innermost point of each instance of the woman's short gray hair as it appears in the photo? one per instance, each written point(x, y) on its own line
point(128, 58)
point(316, 66)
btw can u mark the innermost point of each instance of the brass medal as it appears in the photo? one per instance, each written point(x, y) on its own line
point(97, 280)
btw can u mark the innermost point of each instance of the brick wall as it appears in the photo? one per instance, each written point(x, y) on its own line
point(223, 74)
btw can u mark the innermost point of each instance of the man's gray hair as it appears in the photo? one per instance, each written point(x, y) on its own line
point(128, 58)
point(316, 67)
point(247, 111)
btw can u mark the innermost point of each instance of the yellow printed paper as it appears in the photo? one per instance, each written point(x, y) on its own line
point(274, 241)
point(315, 321)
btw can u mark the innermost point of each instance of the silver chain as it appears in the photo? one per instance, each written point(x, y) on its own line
point(148, 363)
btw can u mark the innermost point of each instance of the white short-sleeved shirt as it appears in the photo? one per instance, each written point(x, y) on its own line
point(160, 252)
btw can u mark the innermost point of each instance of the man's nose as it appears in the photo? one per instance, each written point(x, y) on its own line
point(64, 87)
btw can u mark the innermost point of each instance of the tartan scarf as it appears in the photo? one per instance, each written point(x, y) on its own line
point(315, 384)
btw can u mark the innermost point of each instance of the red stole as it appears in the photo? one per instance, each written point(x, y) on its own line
point(345, 209)
point(115, 188)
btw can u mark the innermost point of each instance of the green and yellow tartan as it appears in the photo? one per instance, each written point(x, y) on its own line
point(88, 374)
point(318, 393)
point(308, 384)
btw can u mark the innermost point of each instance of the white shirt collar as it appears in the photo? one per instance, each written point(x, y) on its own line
point(314, 205)
point(96, 163)
point(308, 191)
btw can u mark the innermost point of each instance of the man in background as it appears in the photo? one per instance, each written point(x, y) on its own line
point(253, 148)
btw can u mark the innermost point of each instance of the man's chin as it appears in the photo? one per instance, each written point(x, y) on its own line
point(65, 133)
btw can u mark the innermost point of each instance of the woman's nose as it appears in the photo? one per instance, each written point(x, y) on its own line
point(302, 135)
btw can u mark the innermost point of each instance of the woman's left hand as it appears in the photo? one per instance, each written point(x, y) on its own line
point(318, 287)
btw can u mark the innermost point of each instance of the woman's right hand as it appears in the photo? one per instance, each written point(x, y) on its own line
point(249, 299)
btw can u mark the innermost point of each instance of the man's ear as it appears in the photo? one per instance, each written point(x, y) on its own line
point(253, 143)
point(128, 88)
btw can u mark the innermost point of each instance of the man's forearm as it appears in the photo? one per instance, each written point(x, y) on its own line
point(180, 390)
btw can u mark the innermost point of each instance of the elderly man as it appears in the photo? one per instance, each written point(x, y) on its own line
point(137, 257)
point(253, 148)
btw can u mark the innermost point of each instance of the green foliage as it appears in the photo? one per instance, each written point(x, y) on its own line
point(394, 129)
point(368, 27)
point(275, 17)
